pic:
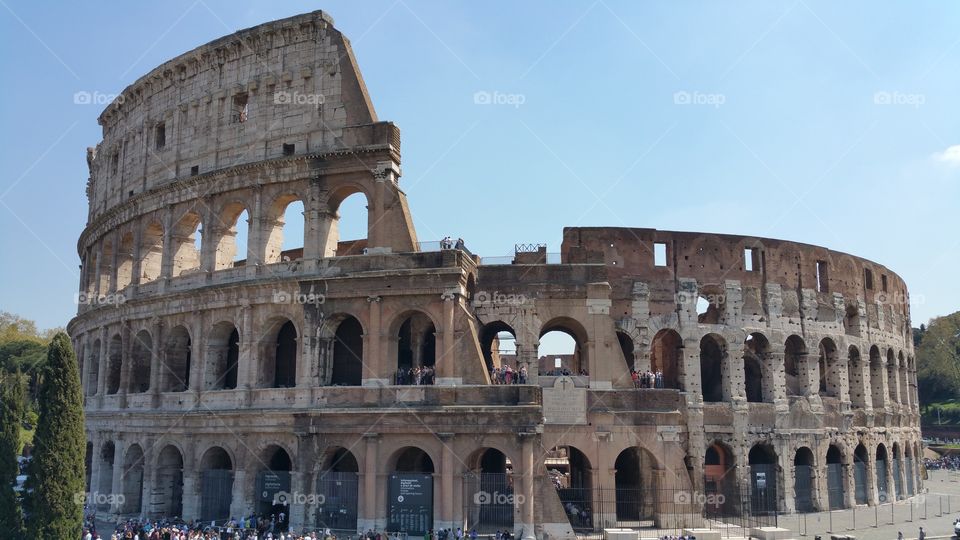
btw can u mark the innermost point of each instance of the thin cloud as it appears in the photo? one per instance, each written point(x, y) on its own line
point(950, 156)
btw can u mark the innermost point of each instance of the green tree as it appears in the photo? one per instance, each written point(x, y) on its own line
point(938, 360)
point(56, 474)
point(11, 414)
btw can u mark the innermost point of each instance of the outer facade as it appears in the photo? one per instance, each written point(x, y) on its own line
point(212, 379)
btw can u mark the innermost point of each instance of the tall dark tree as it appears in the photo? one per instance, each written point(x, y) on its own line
point(56, 473)
point(11, 414)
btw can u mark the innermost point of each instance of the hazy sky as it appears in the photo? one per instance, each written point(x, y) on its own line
point(831, 123)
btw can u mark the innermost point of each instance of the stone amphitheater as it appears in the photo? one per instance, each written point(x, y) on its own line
point(224, 381)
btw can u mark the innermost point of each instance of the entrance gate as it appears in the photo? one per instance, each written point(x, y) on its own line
point(860, 481)
point(882, 491)
point(488, 502)
point(337, 508)
point(835, 485)
point(763, 489)
point(216, 491)
point(803, 488)
point(897, 479)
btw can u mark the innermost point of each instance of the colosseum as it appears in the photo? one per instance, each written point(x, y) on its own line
point(354, 384)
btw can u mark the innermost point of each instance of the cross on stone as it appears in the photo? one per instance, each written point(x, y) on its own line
point(563, 381)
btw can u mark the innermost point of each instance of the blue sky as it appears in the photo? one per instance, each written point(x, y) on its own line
point(823, 122)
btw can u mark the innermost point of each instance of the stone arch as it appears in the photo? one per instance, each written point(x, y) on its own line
point(225, 234)
point(216, 482)
point(720, 480)
point(835, 477)
point(634, 484)
point(764, 478)
point(757, 379)
point(132, 480)
point(803, 485)
point(713, 363)
point(830, 369)
point(222, 357)
point(337, 482)
point(151, 252)
point(114, 364)
point(279, 353)
point(881, 464)
point(331, 242)
point(106, 455)
point(411, 459)
point(276, 464)
point(125, 261)
point(184, 238)
point(491, 336)
point(489, 485)
point(904, 378)
point(168, 490)
point(141, 356)
point(177, 357)
point(413, 338)
point(572, 474)
point(794, 355)
point(897, 470)
point(92, 367)
point(275, 228)
point(579, 362)
point(860, 460)
point(666, 356)
point(347, 368)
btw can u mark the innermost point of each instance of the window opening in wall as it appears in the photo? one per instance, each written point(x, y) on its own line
point(868, 278)
point(115, 163)
point(161, 135)
point(659, 254)
point(822, 281)
point(288, 149)
point(883, 282)
point(195, 170)
point(748, 259)
point(238, 113)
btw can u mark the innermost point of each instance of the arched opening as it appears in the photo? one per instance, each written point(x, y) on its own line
point(626, 349)
point(168, 491)
point(572, 475)
point(564, 339)
point(286, 233)
point(92, 366)
point(909, 470)
point(273, 486)
point(860, 459)
point(175, 374)
point(186, 244)
point(488, 491)
point(756, 360)
point(278, 365)
point(132, 480)
point(216, 485)
point(140, 359)
point(708, 308)
point(722, 495)
point(883, 490)
point(223, 353)
point(876, 378)
point(498, 343)
point(114, 363)
point(348, 353)
point(897, 475)
point(416, 350)
point(892, 379)
point(835, 491)
point(763, 479)
point(125, 261)
point(859, 391)
point(633, 480)
point(829, 369)
point(107, 455)
point(151, 252)
point(232, 235)
point(412, 472)
point(666, 357)
point(337, 484)
point(794, 352)
point(713, 357)
point(347, 224)
point(803, 485)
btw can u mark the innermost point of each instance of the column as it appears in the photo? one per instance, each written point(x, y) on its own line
point(247, 371)
point(872, 493)
point(785, 458)
point(255, 242)
point(116, 489)
point(124, 362)
point(809, 368)
point(447, 460)
point(312, 244)
point(849, 482)
point(691, 368)
point(446, 363)
point(527, 485)
point(149, 478)
point(95, 440)
point(114, 259)
point(375, 372)
point(96, 284)
point(367, 498)
point(136, 268)
point(774, 362)
point(166, 258)
point(102, 368)
point(198, 351)
point(157, 359)
point(191, 481)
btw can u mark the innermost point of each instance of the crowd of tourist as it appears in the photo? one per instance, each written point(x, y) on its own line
point(647, 379)
point(425, 375)
point(254, 527)
point(948, 463)
point(564, 372)
point(577, 515)
point(508, 375)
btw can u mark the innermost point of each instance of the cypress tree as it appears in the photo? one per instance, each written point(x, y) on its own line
point(11, 415)
point(56, 473)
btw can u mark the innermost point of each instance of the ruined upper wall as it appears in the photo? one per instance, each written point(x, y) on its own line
point(236, 100)
point(713, 259)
